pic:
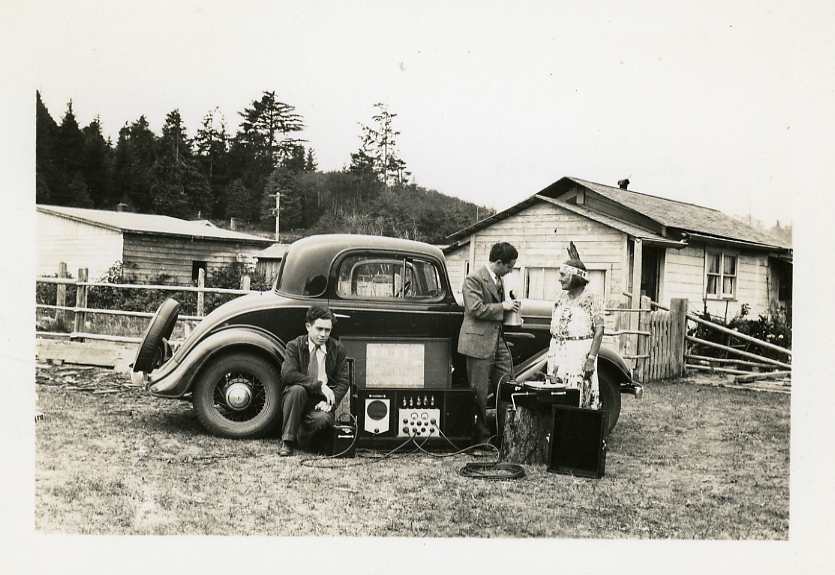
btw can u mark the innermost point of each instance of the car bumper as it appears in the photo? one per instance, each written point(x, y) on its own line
point(635, 389)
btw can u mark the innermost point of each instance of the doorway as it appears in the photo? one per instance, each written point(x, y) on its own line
point(652, 261)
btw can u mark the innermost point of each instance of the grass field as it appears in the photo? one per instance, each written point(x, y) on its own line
point(689, 461)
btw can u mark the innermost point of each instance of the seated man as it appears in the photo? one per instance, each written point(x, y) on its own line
point(315, 378)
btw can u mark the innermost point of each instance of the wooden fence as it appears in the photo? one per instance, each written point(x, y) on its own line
point(651, 338)
point(80, 311)
point(654, 338)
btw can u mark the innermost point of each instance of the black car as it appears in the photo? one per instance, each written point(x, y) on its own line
point(379, 288)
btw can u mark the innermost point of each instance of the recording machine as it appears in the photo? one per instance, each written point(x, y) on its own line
point(402, 389)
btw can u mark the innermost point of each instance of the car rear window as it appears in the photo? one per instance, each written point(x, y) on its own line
point(370, 276)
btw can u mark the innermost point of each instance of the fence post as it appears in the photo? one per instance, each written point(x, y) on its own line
point(201, 283)
point(80, 301)
point(678, 331)
point(642, 346)
point(62, 316)
point(622, 322)
point(245, 281)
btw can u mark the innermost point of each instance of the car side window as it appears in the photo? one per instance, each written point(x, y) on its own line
point(371, 276)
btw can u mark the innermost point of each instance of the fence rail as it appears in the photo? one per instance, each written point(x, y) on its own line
point(653, 337)
point(80, 310)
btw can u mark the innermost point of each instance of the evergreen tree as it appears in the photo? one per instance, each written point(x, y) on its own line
point(212, 145)
point(310, 164)
point(178, 188)
point(379, 144)
point(267, 126)
point(134, 161)
point(66, 154)
point(45, 170)
point(240, 201)
point(262, 143)
point(96, 166)
point(283, 181)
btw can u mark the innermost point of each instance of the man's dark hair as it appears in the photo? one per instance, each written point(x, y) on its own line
point(315, 312)
point(503, 252)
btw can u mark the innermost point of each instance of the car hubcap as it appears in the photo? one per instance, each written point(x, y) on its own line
point(238, 395)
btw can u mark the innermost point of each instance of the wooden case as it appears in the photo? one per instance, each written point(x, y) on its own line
point(577, 445)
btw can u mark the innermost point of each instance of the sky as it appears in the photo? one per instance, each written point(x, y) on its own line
point(726, 104)
point(693, 101)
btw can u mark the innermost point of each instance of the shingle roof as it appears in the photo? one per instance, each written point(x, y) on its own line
point(147, 223)
point(684, 216)
point(614, 223)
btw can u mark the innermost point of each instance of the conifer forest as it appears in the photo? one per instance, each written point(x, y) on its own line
point(264, 168)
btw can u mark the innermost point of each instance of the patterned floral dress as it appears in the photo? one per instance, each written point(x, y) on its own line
point(572, 330)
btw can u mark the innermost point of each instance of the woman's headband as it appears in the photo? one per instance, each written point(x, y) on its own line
point(576, 271)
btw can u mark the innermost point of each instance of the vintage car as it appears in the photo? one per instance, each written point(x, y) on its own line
point(378, 287)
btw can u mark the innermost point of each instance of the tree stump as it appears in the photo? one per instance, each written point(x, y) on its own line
point(526, 436)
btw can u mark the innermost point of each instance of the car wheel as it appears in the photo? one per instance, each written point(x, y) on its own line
point(609, 398)
point(237, 396)
point(151, 351)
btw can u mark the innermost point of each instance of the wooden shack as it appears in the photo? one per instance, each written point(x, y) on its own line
point(148, 246)
point(634, 245)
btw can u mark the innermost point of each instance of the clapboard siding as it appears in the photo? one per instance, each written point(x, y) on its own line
point(541, 234)
point(78, 244)
point(148, 256)
point(685, 278)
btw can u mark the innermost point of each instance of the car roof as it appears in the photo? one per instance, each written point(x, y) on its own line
point(307, 263)
point(335, 243)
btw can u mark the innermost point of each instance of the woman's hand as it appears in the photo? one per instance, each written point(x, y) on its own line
point(588, 366)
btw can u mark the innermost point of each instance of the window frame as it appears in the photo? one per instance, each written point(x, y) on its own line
point(526, 278)
point(406, 264)
point(721, 275)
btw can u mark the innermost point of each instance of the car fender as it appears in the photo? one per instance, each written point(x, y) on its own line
point(176, 379)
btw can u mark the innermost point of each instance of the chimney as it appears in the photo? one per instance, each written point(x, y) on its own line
point(233, 224)
point(122, 208)
point(623, 183)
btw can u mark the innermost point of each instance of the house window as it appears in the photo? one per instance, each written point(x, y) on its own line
point(720, 280)
point(544, 283)
point(195, 269)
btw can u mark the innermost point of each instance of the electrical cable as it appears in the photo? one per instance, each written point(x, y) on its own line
point(476, 470)
point(328, 461)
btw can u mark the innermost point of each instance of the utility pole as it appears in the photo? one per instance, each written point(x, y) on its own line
point(277, 214)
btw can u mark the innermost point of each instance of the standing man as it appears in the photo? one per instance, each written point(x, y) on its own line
point(482, 336)
point(315, 378)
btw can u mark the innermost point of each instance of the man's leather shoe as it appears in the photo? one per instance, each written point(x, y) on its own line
point(285, 449)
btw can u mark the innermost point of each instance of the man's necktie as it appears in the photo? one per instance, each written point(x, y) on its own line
point(313, 367)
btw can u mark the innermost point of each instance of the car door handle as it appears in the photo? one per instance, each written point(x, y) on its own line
point(341, 316)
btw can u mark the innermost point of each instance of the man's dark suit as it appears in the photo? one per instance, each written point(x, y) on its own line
point(482, 340)
point(301, 392)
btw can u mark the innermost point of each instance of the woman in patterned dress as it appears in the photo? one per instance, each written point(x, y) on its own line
point(576, 334)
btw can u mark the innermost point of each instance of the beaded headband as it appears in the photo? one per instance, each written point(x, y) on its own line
point(576, 271)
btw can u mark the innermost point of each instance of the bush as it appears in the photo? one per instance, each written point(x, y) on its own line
point(773, 329)
point(137, 300)
point(148, 301)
